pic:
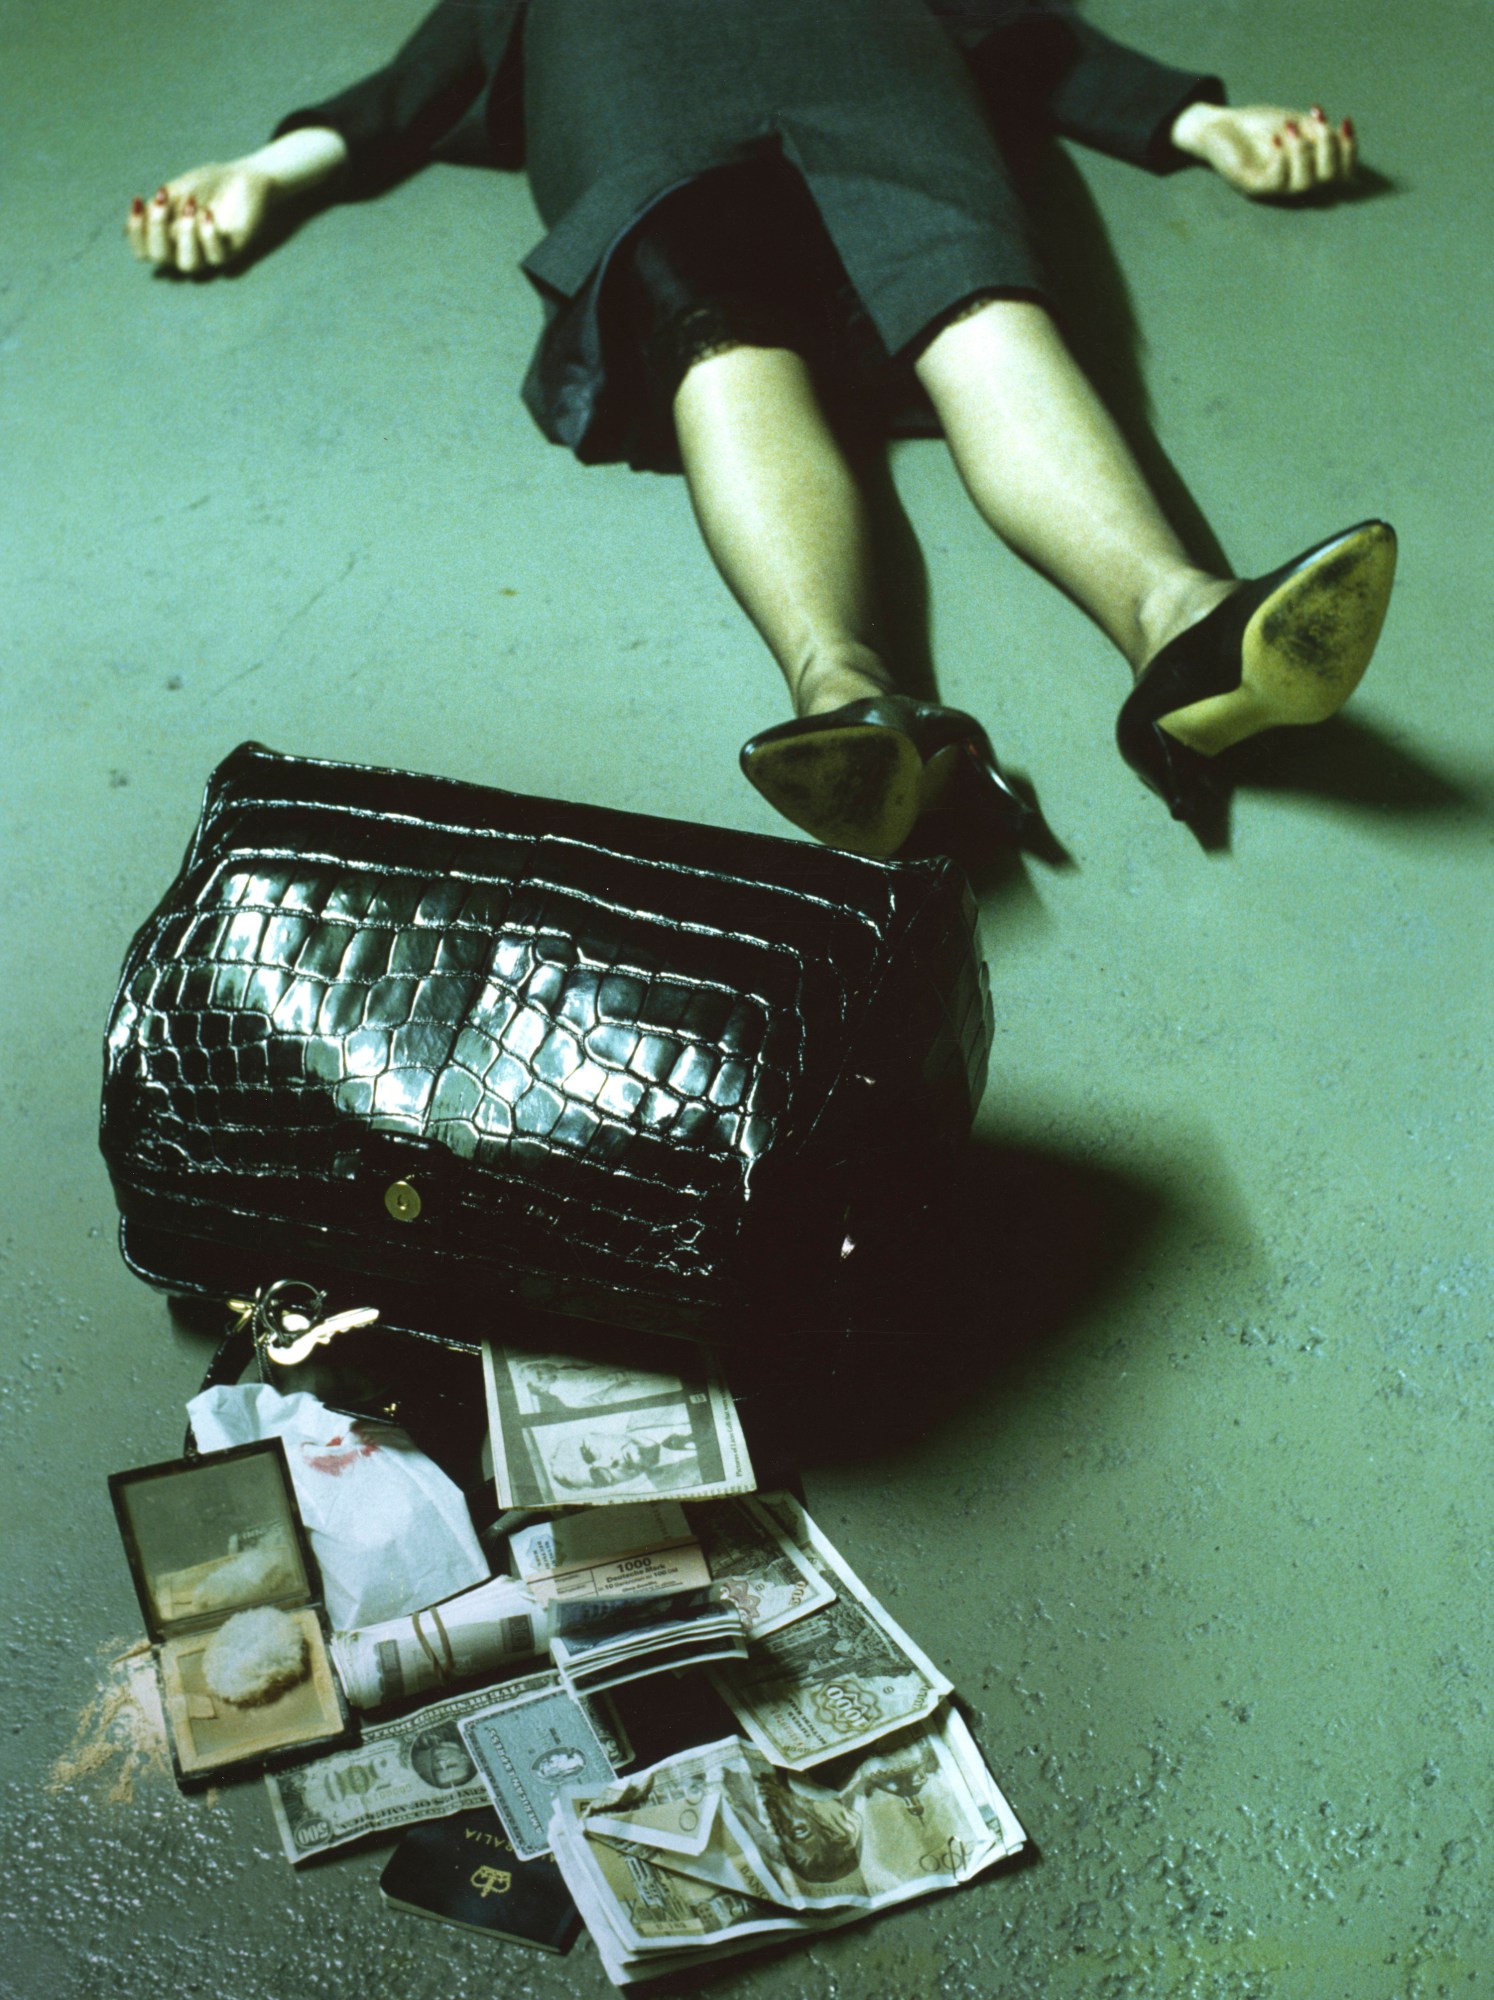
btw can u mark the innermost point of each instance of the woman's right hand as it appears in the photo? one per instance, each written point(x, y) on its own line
point(208, 218)
point(202, 220)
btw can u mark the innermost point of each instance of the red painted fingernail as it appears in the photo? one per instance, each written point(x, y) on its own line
point(1276, 139)
point(207, 214)
point(1347, 128)
point(1317, 112)
point(137, 206)
point(1294, 128)
point(189, 206)
point(161, 196)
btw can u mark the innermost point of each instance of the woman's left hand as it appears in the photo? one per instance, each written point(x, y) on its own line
point(1263, 149)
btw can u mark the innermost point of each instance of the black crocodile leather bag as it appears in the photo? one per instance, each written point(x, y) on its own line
point(391, 1033)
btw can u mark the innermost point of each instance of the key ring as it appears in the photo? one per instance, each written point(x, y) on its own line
point(283, 1313)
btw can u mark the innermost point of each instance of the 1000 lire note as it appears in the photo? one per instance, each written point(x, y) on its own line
point(835, 1681)
point(712, 1850)
point(917, 1814)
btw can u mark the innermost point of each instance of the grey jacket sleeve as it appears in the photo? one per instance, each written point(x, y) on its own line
point(1122, 102)
point(452, 92)
point(1040, 62)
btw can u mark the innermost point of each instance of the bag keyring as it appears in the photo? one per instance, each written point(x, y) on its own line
point(283, 1312)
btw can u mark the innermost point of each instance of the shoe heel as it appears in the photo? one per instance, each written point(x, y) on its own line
point(974, 766)
point(861, 776)
point(941, 777)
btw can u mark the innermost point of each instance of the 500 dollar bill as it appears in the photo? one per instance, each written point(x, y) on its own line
point(412, 1769)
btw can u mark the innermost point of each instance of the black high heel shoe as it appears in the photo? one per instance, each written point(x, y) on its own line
point(859, 777)
point(1290, 647)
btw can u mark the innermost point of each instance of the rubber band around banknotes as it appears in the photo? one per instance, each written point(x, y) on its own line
point(443, 1664)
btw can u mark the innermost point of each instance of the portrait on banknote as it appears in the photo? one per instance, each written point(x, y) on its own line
point(566, 1382)
point(821, 1837)
point(565, 1430)
point(643, 1451)
point(440, 1758)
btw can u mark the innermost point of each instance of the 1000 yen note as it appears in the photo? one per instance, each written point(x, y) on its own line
point(834, 1681)
point(567, 1431)
point(754, 1562)
point(411, 1769)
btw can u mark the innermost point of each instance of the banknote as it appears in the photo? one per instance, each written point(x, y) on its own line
point(567, 1431)
point(657, 1635)
point(693, 1922)
point(834, 1681)
point(755, 1562)
point(643, 1549)
point(525, 1749)
point(411, 1769)
point(716, 1849)
point(917, 1814)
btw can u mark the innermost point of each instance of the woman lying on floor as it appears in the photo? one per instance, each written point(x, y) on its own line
point(759, 211)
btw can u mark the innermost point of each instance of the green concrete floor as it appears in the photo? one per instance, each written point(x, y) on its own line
point(1189, 1490)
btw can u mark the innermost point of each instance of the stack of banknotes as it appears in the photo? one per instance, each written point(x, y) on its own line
point(850, 1785)
point(718, 1849)
point(656, 1635)
point(626, 1591)
point(570, 1432)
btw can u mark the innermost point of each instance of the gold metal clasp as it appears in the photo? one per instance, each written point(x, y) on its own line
point(402, 1201)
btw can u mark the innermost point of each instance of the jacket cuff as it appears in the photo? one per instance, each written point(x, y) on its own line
point(1124, 103)
point(357, 116)
point(1162, 156)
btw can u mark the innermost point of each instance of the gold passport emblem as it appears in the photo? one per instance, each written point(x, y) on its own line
point(491, 1881)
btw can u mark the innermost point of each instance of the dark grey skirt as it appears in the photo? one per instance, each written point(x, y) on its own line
point(835, 163)
point(738, 255)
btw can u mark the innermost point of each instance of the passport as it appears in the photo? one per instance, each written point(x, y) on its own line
point(463, 1870)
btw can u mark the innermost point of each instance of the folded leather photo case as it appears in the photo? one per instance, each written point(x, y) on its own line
point(208, 1537)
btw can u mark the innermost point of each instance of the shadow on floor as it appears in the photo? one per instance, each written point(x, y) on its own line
point(997, 1255)
point(1345, 761)
point(1351, 762)
point(1008, 1255)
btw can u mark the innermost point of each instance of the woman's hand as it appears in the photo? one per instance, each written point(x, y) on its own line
point(206, 219)
point(1262, 149)
point(202, 220)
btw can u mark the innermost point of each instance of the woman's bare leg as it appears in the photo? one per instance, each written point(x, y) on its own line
point(1049, 470)
point(785, 520)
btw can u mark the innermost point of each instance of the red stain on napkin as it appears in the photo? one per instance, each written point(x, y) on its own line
point(335, 1462)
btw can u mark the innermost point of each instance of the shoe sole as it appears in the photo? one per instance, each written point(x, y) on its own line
point(861, 788)
point(1305, 648)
